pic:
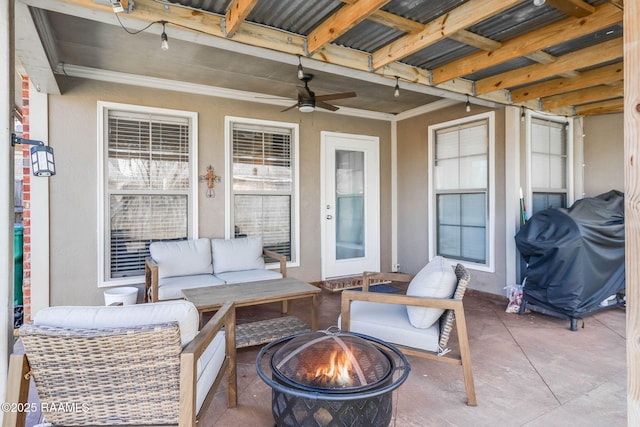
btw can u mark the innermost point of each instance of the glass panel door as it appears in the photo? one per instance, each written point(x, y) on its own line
point(349, 198)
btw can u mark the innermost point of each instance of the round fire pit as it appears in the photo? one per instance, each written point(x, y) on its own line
point(332, 378)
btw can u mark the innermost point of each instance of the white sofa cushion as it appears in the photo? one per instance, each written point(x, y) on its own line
point(95, 317)
point(237, 254)
point(436, 280)
point(231, 277)
point(389, 322)
point(171, 287)
point(182, 258)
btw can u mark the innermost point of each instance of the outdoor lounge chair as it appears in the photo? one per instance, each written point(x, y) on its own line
point(389, 317)
point(142, 364)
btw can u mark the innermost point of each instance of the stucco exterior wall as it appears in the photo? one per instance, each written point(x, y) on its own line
point(603, 154)
point(413, 203)
point(74, 198)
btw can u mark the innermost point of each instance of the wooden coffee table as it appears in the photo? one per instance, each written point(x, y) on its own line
point(211, 298)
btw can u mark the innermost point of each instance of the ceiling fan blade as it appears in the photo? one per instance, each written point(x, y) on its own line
point(325, 105)
point(304, 92)
point(289, 108)
point(336, 96)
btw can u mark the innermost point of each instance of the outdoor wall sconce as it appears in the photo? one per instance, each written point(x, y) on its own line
point(211, 178)
point(42, 162)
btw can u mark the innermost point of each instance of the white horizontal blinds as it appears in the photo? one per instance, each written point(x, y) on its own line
point(548, 164)
point(461, 186)
point(148, 182)
point(263, 184)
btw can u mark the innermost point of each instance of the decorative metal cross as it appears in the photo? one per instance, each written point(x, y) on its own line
point(211, 179)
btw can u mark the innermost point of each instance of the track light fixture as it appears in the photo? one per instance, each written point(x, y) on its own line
point(300, 69)
point(396, 91)
point(164, 38)
point(467, 106)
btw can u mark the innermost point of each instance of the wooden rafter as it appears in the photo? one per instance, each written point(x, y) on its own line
point(236, 13)
point(461, 18)
point(594, 77)
point(347, 17)
point(604, 107)
point(598, 54)
point(577, 8)
point(558, 32)
point(583, 96)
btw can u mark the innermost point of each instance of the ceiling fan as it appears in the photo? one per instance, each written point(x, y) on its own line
point(308, 101)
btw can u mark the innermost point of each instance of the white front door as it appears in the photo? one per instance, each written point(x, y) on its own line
point(350, 208)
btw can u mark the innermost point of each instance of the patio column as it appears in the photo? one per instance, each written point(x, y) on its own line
point(7, 71)
point(632, 203)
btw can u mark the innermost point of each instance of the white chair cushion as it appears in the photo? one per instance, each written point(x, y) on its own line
point(171, 287)
point(182, 258)
point(209, 365)
point(389, 322)
point(237, 254)
point(436, 280)
point(248, 276)
point(95, 317)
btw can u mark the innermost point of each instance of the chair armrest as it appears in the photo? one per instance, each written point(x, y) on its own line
point(349, 296)
point(150, 280)
point(224, 318)
point(369, 277)
point(281, 258)
point(17, 390)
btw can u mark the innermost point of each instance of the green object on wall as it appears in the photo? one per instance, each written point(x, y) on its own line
point(18, 239)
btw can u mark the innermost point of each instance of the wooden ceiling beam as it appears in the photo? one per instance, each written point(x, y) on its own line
point(597, 76)
point(558, 32)
point(583, 96)
point(347, 17)
point(472, 39)
point(236, 14)
point(460, 18)
point(575, 8)
point(597, 54)
point(396, 22)
point(604, 107)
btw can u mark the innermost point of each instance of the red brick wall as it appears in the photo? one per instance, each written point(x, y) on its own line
point(26, 203)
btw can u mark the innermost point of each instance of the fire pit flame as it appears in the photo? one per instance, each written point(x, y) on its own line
point(336, 373)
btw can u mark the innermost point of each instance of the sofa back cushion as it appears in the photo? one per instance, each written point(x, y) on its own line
point(97, 317)
point(244, 253)
point(182, 258)
point(436, 280)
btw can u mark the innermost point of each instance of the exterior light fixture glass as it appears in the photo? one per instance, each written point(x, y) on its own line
point(164, 38)
point(300, 69)
point(539, 3)
point(42, 160)
point(467, 106)
point(396, 91)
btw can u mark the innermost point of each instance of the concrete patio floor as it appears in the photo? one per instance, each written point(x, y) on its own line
point(529, 370)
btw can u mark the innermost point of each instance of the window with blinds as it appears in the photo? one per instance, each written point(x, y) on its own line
point(461, 190)
point(147, 181)
point(548, 164)
point(262, 164)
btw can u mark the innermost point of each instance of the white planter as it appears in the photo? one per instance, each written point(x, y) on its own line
point(127, 295)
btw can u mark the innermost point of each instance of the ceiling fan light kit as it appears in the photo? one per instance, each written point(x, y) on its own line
point(307, 99)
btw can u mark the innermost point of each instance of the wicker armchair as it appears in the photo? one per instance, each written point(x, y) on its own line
point(387, 319)
point(135, 375)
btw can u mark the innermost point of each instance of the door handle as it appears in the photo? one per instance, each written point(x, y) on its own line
point(329, 217)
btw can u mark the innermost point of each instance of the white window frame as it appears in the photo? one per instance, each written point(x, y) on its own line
point(489, 266)
point(192, 207)
point(528, 158)
point(228, 154)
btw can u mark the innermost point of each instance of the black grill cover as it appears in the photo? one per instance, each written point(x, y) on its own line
point(575, 256)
